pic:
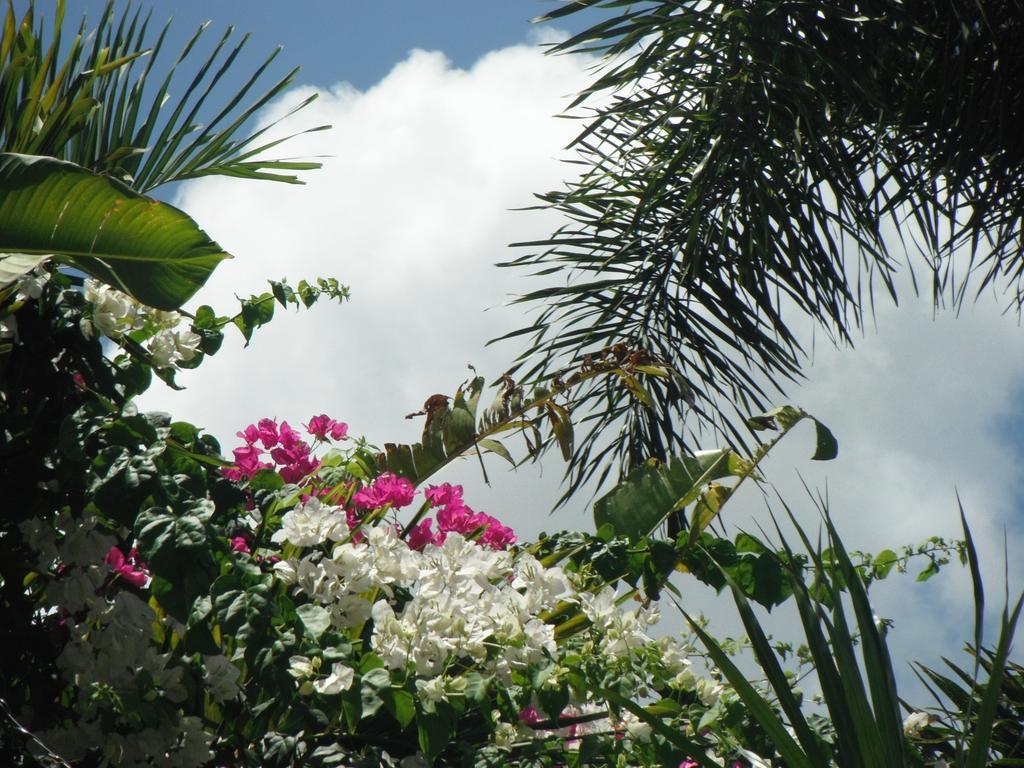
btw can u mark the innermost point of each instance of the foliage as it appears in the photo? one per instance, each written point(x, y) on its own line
point(165, 606)
point(95, 107)
point(102, 102)
point(740, 163)
point(953, 722)
point(861, 697)
point(85, 220)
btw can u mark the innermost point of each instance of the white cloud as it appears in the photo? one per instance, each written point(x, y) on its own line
point(413, 208)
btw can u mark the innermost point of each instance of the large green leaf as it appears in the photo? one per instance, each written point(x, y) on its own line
point(147, 248)
point(648, 494)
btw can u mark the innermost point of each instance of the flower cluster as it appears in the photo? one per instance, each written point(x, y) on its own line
point(110, 657)
point(129, 568)
point(28, 287)
point(454, 516)
point(115, 314)
point(283, 445)
point(431, 606)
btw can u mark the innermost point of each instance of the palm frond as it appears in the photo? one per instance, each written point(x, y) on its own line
point(103, 100)
point(740, 160)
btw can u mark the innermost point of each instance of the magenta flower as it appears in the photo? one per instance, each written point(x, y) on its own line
point(497, 536)
point(247, 459)
point(251, 434)
point(457, 518)
point(267, 429)
point(386, 489)
point(444, 494)
point(323, 426)
point(529, 715)
point(421, 535)
point(241, 544)
point(130, 568)
point(689, 764)
point(289, 437)
point(294, 472)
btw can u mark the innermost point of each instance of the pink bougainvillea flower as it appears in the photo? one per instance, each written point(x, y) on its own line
point(688, 763)
point(318, 426)
point(386, 489)
point(496, 535)
point(232, 473)
point(288, 436)
point(421, 535)
point(444, 495)
point(529, 715)
point(456, 517)
point(323, 426)
point(294, 472)
point(267, 430)
point(241, 544)
point(130, 568)
point(250, 434)
point(247, 460)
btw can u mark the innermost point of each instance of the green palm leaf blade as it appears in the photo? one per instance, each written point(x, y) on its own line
point(736, 158)
point(877, 662)
point(760, 709)
point(144, 247)
point(978, 755)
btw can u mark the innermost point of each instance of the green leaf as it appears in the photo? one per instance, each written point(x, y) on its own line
point(756, 704)
point(171, 543)
point(826, 446)
point(240, 610)
point(314, 618)
point(372, 684)
point(768, 661)
point(883, 563)
point(495, 446)
point(561, 425)
point(400, 703)
point(146, 248)
point(647, 495)
point(709, 504)
point(977, 757)
point(434, 730)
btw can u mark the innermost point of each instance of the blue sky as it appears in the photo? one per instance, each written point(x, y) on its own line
point(358, 41)
point(430, 154)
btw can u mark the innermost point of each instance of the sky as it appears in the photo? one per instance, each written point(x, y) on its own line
point(445, 125)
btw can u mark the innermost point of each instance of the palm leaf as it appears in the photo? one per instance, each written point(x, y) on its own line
point(740, 156)
point(98, 106)
point(146, 248)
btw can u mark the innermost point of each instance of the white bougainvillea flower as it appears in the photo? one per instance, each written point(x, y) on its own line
point(915, 722)
point(312, 523)
point(300, 667)
point(340, 679)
